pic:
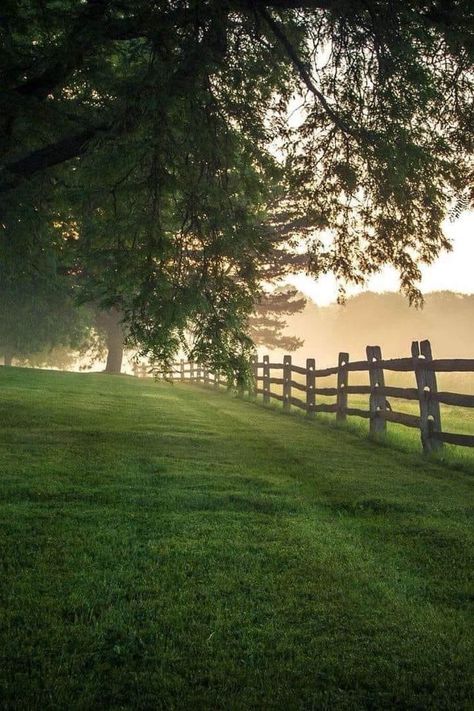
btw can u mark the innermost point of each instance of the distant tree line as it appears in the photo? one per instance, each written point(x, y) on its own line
point(386, 319)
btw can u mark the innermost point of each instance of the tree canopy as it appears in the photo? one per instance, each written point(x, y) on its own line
point(157, 139)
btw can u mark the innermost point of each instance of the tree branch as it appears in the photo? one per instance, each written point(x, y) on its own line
point(71, 55)
point(296, 4)
point(308, 81)
point(53, 154)
point(90, 29)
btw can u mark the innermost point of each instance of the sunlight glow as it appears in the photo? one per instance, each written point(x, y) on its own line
point(452, 271)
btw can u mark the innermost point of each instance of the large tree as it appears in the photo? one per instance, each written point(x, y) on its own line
point(151, 127)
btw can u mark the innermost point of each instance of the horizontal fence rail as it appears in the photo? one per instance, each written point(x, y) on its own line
point(421, 364)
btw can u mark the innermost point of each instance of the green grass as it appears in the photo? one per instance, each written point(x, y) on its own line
point(167, 547)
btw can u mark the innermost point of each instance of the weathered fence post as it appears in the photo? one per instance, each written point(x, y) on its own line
point(378, 401)
point(240, 386)
point(216, 380)
point(287, 382)
point(266, 379)
point(206, 375)
point(181, 368)
point(191, 371)
point(430, 413)
point(254, 384)
point(342, 380)
point(310, 386)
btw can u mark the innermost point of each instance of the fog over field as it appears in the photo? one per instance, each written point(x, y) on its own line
point(447, 320)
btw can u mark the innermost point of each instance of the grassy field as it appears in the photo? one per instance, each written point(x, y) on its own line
point(166, 547)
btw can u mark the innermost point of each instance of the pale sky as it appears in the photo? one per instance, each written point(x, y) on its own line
point(453, 270)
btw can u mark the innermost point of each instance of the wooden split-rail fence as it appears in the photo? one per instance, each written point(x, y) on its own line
point(421, 363)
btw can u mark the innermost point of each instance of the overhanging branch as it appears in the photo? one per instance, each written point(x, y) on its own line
point(299, 65)
point(69, 147)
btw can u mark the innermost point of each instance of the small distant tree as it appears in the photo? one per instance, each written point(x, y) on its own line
point(277, 301)
point(267, 324)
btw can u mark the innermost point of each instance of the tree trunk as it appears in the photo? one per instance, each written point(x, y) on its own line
point(111, 322)
point(114, 354)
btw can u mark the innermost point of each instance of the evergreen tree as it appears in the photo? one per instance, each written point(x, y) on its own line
point(267, 324)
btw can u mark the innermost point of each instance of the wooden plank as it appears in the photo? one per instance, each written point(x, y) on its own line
point(452, 365)
point(401, 418)
point(387, 391)
point(276, 381)
point(378, 402)
point(356, 365)
point(358, 390)
point(357, 412)
point(402, 365)
point(298, 369)
point(342, 379)
point(275, 396)
point(276, 366)
point(298, 386)
point(310, 386)
point(462, 440)
point(397, 364)
point(325, 408)
point(296, 402)
point(326, 391)
point(286, 382)
point(324, 372)
point(454, 399)
point(401, 393)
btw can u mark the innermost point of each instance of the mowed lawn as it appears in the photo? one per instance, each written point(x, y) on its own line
point(167, 547)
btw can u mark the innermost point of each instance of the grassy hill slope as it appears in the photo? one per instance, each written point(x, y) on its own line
point(169, 547)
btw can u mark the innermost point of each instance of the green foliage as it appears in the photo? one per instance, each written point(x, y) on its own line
point(170, 546)
point(147, 131)
point(37, 307)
